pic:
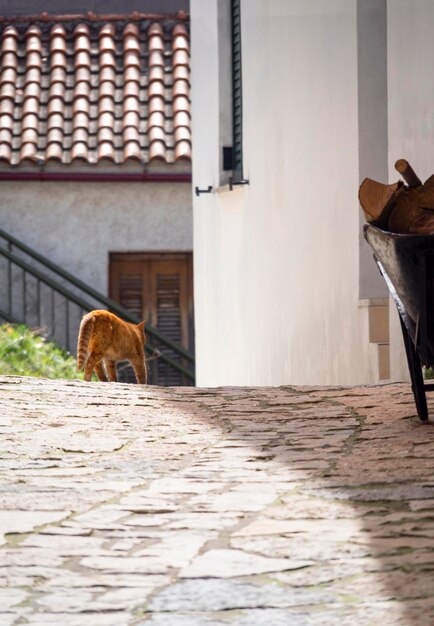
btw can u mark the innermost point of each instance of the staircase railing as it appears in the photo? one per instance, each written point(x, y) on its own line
point(41, 294)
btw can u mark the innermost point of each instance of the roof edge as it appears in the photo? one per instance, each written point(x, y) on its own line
point(94, 17)
point(91, 177)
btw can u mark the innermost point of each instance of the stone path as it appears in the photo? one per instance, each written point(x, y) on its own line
point(123, 505)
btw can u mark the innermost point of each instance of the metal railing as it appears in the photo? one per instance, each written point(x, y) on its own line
point(37, 292)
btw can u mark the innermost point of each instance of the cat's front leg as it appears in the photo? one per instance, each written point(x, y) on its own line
point(140, 371)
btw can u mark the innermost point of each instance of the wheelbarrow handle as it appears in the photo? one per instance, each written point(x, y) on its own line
point(408, 173)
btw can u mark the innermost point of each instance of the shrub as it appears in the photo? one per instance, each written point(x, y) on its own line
point(24, 352)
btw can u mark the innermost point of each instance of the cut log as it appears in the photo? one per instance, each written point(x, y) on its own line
point(408, 173)
point(378, 200)
point(400, 208)
point(414, 210)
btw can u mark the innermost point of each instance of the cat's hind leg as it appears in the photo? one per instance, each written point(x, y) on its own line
point(93, 360)
point(111, 371)
point(100, 372)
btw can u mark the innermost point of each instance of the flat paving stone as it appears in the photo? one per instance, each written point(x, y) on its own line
point(127, 505)
point(221, 595)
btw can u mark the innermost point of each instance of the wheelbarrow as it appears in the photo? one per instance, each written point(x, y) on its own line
point(407, 265)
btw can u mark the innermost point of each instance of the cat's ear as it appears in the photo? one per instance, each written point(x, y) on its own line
point(141, 327)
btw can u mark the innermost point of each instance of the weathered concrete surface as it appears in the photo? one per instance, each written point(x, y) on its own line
point(127, 505)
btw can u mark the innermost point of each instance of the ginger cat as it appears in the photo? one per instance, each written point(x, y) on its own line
point(104, 339)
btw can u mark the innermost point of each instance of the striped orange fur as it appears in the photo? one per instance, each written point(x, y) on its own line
point(104, 339)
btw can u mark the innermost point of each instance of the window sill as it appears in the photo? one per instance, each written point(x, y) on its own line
point(222, 188)
point(230, 186)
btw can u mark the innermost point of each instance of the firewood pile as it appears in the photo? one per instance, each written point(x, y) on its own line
point(400, 208)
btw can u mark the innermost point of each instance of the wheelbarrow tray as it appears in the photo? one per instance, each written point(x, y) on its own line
point(407, 265)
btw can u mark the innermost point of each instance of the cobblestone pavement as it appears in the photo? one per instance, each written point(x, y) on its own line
point(124, 505)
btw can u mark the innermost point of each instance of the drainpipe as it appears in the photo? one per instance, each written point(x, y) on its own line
point(95, 177)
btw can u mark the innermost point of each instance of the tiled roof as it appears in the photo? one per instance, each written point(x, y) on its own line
point(94, 89)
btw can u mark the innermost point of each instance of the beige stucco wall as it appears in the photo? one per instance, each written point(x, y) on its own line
point(277, 262)
point(77, 224)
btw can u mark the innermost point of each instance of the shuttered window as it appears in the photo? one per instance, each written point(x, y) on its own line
point(169, 306)
point(159, 289)
point(237, 95)
point(130, 293)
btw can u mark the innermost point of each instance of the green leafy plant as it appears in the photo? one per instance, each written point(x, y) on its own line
point(24, 352)
point(428, 373)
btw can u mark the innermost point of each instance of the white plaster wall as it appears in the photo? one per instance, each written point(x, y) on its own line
point(411, 112)
point(77, 225)
point(411, 87)
point(276, 263)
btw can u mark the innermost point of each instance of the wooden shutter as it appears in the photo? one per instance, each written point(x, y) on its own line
point(131, 292)
point(169, 306)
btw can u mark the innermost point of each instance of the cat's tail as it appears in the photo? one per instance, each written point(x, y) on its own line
point(86, 328)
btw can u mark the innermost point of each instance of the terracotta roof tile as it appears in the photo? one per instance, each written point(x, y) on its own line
point(181, 72)
point(105, 134)
point(81, 120)
point(57, 90)
point(181, 57)
point(58, 39)
point(156, 133)
point(54, 151)
point(28, 151)
point(105, 104)
point(131, 119)
point(7, 107)
point(131, 88)
point(80, 135)
point(5, 147)
point(5, 135)
point(106, 151)
point(156, 105)
point(156, 118)
point(131, 103)
point(132, 73)
point(6, 122)
point(132, 150)
point(30, 105)
point(156, 58)
point(157, 150)
point(182, 150)
point(156, 88)
point(55, 121)
point(9, 59)
point(182, 134)
point(8, 75)
point(93, 89)
point(33, 39)
point(10, 40)
point(181, 104)
point(80, 150)
point(58, 74)
point(53, 135)
point(32, 75)
point(32, 90)
point(181, 88)
point(131, 133)
point(181, 120)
